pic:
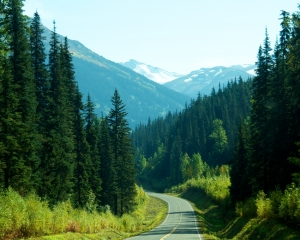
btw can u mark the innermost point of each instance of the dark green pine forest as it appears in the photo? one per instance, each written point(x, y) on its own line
point(251, 125)
point(207, 126)
point(51, 142)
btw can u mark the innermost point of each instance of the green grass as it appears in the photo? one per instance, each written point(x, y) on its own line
point(156, 210)
point(215, 223)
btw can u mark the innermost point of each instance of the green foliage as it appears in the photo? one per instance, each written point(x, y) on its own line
point(285, 206)
point(296, 160)
point(215, 182)
point(192, 167)
point(122, 152)
point(29, 216)
point(289, 208)
point(219, 137)
point(164, 141)
point(264, 205)
point(247, 208)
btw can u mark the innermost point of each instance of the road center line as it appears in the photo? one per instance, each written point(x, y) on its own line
point(164, 237)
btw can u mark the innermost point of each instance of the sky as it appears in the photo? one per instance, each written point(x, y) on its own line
point(175, 35)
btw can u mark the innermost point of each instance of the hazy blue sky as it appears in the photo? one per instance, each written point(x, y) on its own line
point(175, 35)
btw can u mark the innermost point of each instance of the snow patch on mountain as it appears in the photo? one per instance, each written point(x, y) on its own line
point(188, 80)
point(153, 73)
point(251, 72)
point(204, 79)
point(218, 73)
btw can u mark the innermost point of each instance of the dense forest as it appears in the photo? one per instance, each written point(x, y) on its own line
point(52, 143)
point(207, 126)
point(252, 126)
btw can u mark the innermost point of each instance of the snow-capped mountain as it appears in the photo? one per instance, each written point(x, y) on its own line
point(204, 79)
point(153, 73)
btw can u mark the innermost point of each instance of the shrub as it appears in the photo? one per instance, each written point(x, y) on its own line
point(247, 208)
point(264, 206)
point(289, 208)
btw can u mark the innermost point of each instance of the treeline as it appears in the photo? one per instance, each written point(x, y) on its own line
point(51, 142)
point(267, 151)
point(208, 126)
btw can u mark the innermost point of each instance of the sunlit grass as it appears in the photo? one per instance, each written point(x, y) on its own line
point(31, 217)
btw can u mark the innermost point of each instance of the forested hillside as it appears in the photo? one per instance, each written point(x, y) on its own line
point(252, 126)
point(50, 142)
point(267, 151)
point(99, 77)
point(206, 126)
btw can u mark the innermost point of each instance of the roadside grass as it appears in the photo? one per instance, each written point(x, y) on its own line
point(156, 210)
point(31, 218)
point(214, 224)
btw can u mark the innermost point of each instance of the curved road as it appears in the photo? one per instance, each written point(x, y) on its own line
point(180, 222)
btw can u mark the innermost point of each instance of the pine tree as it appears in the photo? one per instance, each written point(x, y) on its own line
point(92, 129)
point(12, 168)
point(25, 178)
point(38, 60)
point(261, 137)
point(59, 155)
point(240, 188)
point(123, 155)
point(108, 171)
point(82, 166)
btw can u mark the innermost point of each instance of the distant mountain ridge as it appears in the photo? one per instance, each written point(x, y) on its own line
point(153, 73)
point(203, 80)
point(99, 77)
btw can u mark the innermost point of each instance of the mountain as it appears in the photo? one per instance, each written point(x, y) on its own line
point(204, 79)
point(153, 73)
point(100, 77)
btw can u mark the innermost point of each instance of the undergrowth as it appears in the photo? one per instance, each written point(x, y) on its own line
point(266, 216)
point(23, 217)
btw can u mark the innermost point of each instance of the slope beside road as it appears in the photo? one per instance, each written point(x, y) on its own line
point(180, 222)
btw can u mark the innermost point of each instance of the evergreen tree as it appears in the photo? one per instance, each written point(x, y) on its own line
point(59, 155)
point(220, 141)
point(82, 166)
point(12, 168)
point(240, 188)
point(123, 155)
point(42, 84)
point(38, 60)
point(108, 171)
point(26, 161)
point(261, 138)
point(92, 130)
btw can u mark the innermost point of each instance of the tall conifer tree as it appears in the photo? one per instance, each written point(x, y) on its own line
point(123, 155)
point(82, 165)
point(58, 162)
point(26, 162)
point(108, 171)
point(92, 129)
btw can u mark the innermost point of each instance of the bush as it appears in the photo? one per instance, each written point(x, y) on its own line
point(276, 198)
point(247, 208)
point(264, 206)
point(29, 216)
point(289, 208)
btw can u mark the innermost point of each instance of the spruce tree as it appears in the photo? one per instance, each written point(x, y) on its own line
point(108, 171)
point(123, 155)
point(26, 161)
point(261, 137)
point(92, 129)
point(59, 155)
point(38, 61)
point(240, 187)
point(82, 165)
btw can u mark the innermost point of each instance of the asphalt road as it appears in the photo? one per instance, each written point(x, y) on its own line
point(180, 223)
